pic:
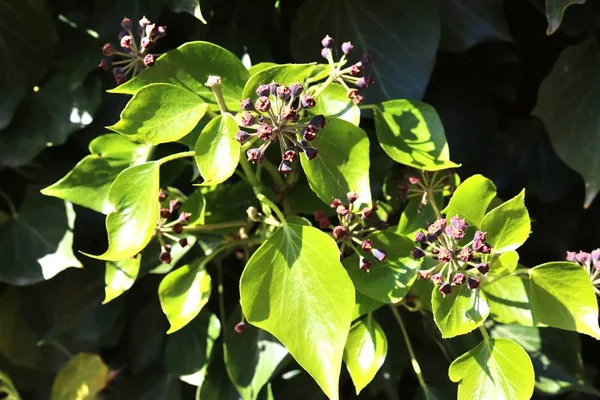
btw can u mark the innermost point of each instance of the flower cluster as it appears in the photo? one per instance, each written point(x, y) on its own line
point(590, 262)
point(166, 228)
point(275, 116)
point(421, 184)
point(132, 57)
point(351, 229)
point(351, 74)
point(456, 264)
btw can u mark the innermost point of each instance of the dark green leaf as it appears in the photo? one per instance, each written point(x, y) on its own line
point(217, 150)
point(10, 96)
point(216, 384)
point(82, 378)
point(364, 305)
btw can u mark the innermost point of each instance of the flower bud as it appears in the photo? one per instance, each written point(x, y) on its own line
point(265, 133)
point(417, 252)
point(161, 196)
point(445, 289)
point(247, 104)
point(445, 255)
point(479, 236)
point(455, 233)
point(473, 283)
point(356, 69)
point(437, 279)
point(366, 213)
point(263, 104)
point(459, 279)
point(126, 42)
point(107, 49)
point(483, 268)
point(255, 155)
point(161, 32)
point(364, 81)
point(308, 101)
point(328, 41)
point(342, 210)
point(283, 92)
point(319, 215)
point(324, 223)
point(310, 153)
point(149, 60)
point(571, 256)
point(458, 223)
point(184, 217)
point(423, 274)
point(144, 22)
point(340, 232)
point(248, 119)
point(583, 258)
point(263, 90)
point(309, 133)
point(120, 78)
point(284, 167)
point(325, 53)
point(414, 180)
point(466, 254)
point(595, 255)
point(127, 24)
point(347, 47)
point(165, 257)
point(380, 255)
point(183, 242)
point(486, 248)
point(174, 205)
point(364, 264)
point(420, 237)
point(165, 213)
point(213, 80)
point(289, 156)
point(239, 327)
point(252, 213)
point(178, 228)
point(296, 89)
point(365, 59)
point(367, 245)
point(105, 64)
point(335, 203)
point(289, 113)
point(318, 121)
point(150, 29)
point(242, 136)
point(597, 265)
point(352, 196)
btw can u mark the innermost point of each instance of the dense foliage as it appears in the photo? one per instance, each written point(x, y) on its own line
point(223, 199)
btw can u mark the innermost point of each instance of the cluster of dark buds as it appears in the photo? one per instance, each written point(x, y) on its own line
point(456, 264)
point(168, 226)
point(420, 184)
point(352, 74)
point(351, 229)
point(591, 263)
point(275, 116)
point(133, 57)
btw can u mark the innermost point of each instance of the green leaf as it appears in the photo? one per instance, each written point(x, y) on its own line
point(334, 102)
point(386, 30)
point(189, 66)
point(160, 113)
point(562, 296)
point(509, 298)
point(217, 151)
point(459, 312)
point(342, 163)
point(283, 74)
point(190, 6)
point(364, 305)
point(566, 106)
point(508, 225)
point(183, 293)
point(82, 378)
point(390, 280)
point(188, 350)
point(314, 322)
point(256, 68)
point(7, 388)
point(120, 277)
point(495, 369)
point(216, 383)
point(252, 357)
point(555, 10)
point(411, 133)
point(37, 242)
point(467, 23)
point(196, 206)
point(132, 222)
point(88, 183)
point(415, 216)
point(471, 199)
point(365, 351)
point(504, 263)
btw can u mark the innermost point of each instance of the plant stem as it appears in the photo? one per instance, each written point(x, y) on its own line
point(176, 156)
point(368, 107)
point(221, 292)
point(411, 352)
point(256, 186)
point(11, 206)
point(431, 199)
point(484, 333)
point(219, 225)
point(265, 199)
point(323, 86)
point(216, 89)
point(273, 173)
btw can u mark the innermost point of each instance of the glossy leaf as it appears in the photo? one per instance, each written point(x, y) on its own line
point(510, 299)
point(217, 151)
point(120, 277)
point(313, 323)
point(88, 183)
point(196, 206)
point(508, 225)
point(183, 293)
point(132, 222)
point(188, 66)
point(401, 65)
point(251, 357)
point(411, 133)
point(471, 199)
point(365, 352)
point(283, 74)
point(459, 312)
point(188, 350)
point(495, 369)
point(160, 113)
point(82, 378)
point(555, 10)
point(334, 102)
point(37, 242)
point(342, 163)
point(562, 296)
point(415, 216)
point(364, 305)
point(388, 281)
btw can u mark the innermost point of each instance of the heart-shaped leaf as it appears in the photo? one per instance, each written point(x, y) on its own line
point(471, 199)
point(508, 225)
point(83, 377)
point(217, 151)
point(342, 163)
point(459, 312)
point(365, 351)
point(495, 369)
point(306, 304)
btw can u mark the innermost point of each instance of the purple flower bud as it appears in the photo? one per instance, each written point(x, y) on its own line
point(120, 78)
point(319, 215)
point(466, 254)
point(571, 256)
point(263, 104)
point(436, 228)
point(420, 237)
point(178, 228)
point(144, 22)
point(165, 257)
point(324, 223)
point(126, 42)
point(445, 255)
point(127, 24)
point(162, 196)
point(414, 180)
point(356, 69)
point(165, 213)
point(342, 210)
point(146, 42)
point(347, 47)
point(445, 289)
point(318, 121)
point(437, 279)
point(289, 113)
point(367, 245)
point(379, 254)
point(479, 236)
point(477, 245)
point(263, 90)
point(184, 217)
point(458, 223)
point(239, 327)
point(183, 242)
point(366, 213)
point(149, 60)
point(430, 238)
point(283, 92)
point(150, 29)
point(483, 268)
point(325, 53)
point(328, 41)
point(364, 264)
point(364, 81)
point(309, 133)
point(340, 232)
point(308, 101)
point(247, 104)
point(457, 234)
point(161, 32)
point(583, 258)
point(273, 88)
point(296, 89)
point(459, 279)
point(423, 274)
point(365, 59)
point(242, 136)
point(352, 196)
point(417, 252)
point(174, 205)
point(265, 132)
point(595, 255)
point(105, 64)
point(597, 265)
point(107, 49)
point(255, 155)
point(473, 283)
point(335, 203)
point(289, 156)
point(284, 167)
point(248, 119)
point(486, 248)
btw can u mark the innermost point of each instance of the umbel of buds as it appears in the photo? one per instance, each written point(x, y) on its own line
point(275, 117)
point(169, 225)
point(343, 74)
point(420, 184)
point(131, 57)
point(354, 224)
point(457, 263)
point(590, 262)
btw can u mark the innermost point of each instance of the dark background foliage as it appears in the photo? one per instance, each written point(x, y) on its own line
point(479, 63)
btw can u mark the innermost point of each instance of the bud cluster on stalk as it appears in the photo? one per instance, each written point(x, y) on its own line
point(353, 74)
point(133, 56)
point(169, 224)
point(275, 117)
point(457, 264)
point(419, 184)
point(590, 262)
point(352, 228)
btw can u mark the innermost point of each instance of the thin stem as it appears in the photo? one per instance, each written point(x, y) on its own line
point(210, 227)
point(431, 198)
point(411, 352)
point(323, 86)
point(211, 113)
point(176, 156)
point(249, 174)
point(264, 199)
point(221, 292)
point(484, 332)
point(216, 89)
point(11, 206)
point(368, 107)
